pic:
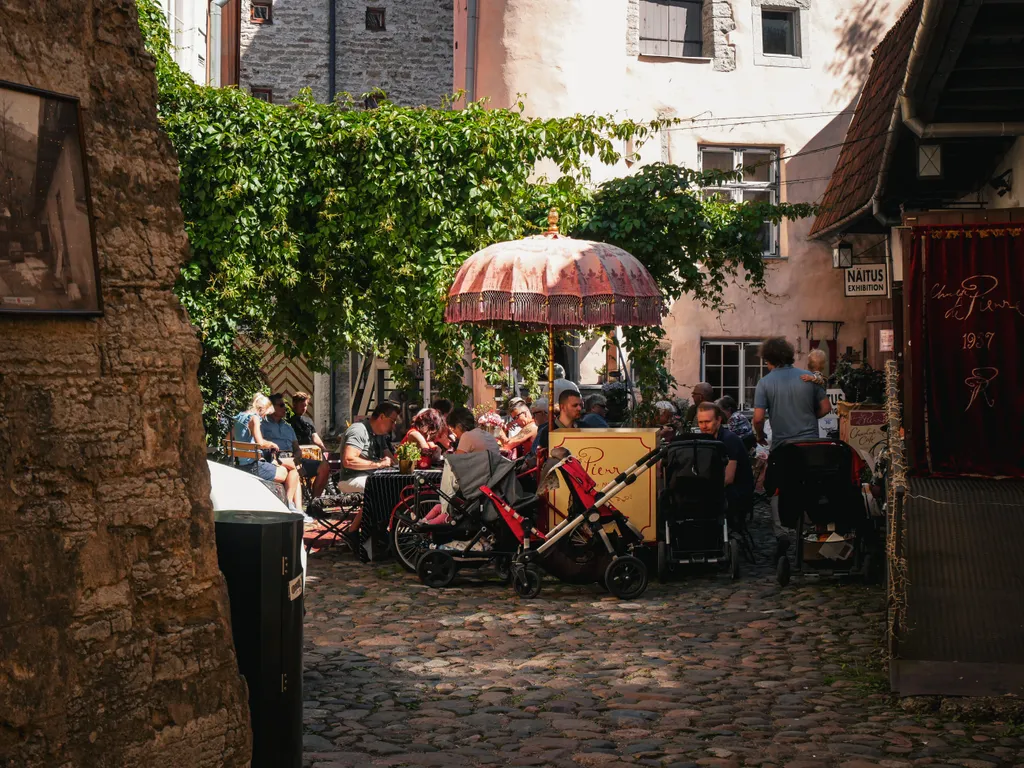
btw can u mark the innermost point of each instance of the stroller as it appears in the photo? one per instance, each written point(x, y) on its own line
point(818, 484)
point(488, 522)
point(693, 526)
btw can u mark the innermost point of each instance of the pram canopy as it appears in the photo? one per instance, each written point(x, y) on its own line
point(694, 478)
point(819, 478)
point(484, 468)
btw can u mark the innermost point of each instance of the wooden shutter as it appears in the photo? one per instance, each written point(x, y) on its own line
point(671, 28)
point(654, 27)
point(686, 28)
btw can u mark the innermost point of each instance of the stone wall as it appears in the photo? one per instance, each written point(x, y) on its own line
point(116, 647)
point(411, 60)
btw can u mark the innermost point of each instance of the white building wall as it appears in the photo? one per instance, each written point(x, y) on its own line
point(581, 56)
point(188, 24)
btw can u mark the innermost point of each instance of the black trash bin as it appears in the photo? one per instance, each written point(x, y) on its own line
point(259, 555)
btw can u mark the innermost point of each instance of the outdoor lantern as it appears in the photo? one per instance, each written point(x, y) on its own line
point(842, 255)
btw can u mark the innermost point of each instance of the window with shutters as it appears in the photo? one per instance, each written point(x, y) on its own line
point(782, 33)
point(758, 183)
point(672, 28)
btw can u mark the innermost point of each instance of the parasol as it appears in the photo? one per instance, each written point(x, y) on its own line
point(550, 281)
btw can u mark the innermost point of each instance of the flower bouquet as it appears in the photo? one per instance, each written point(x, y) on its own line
point(407, 455)
point(490, 421)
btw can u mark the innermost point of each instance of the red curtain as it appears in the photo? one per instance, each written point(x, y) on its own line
point(965, 293)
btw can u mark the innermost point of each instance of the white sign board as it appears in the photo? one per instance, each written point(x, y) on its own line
point(866, 280)
point(835, 396)
point(886, 340)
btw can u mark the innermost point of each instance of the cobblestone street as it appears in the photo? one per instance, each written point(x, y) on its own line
point(700, 671)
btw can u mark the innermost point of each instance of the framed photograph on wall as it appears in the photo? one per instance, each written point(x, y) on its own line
point(48, 262)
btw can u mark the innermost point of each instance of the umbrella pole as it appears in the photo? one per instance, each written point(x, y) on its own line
point(551, 384)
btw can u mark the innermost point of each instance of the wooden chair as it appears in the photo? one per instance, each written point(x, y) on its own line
point(238, 451)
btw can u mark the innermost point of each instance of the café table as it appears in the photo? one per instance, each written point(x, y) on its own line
point(383, 489)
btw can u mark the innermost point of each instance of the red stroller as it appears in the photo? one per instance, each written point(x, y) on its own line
point(491, 524)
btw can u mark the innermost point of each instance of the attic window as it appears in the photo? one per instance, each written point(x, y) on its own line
point(375, 19)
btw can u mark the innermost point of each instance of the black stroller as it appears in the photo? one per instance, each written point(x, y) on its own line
point(693, 527)
point(818, 484)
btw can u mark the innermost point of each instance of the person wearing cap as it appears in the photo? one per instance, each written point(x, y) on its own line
point(539, 409)
point(595, 409)
point(563, 384)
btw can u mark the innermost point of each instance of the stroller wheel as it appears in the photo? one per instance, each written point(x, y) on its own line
point(782, 571)
point(436, 569)
point(526, 580)
point(734, 559)
point(626, 577)
point(406, 543)
point(503, 567)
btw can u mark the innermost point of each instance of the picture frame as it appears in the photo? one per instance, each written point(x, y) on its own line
point(49, 263)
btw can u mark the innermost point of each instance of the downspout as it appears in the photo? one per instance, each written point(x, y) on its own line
point(472, 22)
point(332, 48)
point(927, 28)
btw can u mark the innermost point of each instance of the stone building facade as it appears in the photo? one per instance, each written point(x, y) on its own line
point(403, 48)
point(116, 645)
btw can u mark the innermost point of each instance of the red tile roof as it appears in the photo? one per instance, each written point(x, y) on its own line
point(857, 172)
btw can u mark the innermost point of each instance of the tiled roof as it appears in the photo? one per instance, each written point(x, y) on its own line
point(857, 172)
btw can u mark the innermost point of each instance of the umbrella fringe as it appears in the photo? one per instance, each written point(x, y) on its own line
point(557, 311)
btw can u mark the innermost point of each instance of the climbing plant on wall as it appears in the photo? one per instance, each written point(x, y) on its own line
point(326, 228)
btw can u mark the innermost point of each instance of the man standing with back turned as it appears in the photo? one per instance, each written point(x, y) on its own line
point(794, 407)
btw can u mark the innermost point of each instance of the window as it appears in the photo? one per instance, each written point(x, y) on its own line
point(375, 20)
point(759, 182)
point(778, 32)
point(782, 33)
point(263, 94)
point(671, 28)
point(261, 12)
point(732, 368)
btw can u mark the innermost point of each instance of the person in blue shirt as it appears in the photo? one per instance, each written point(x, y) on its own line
point(595, 409)
point(277, 430)
point(793, 406)
point(246, 427)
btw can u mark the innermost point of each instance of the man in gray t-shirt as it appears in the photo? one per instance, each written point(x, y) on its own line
point(793, 406)
point(365, 448)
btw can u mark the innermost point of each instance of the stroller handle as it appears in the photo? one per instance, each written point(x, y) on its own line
point(629, 475)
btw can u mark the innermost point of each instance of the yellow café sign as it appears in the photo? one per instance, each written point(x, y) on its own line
point(605, 453)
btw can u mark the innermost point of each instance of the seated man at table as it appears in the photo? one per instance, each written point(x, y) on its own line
point(595, 410)
point(278, 431)
point(365, 448)
point(570, 405)
point(521, 440)
point(739, 477)
point(303, 425)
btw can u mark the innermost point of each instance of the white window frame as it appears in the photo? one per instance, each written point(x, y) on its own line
point(735, 189)
point(801, 11)
point(741, 344)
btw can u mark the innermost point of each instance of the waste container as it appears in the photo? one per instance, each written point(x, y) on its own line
point(259, 555)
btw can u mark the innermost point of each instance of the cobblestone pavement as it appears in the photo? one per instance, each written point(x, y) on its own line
point(699, 671)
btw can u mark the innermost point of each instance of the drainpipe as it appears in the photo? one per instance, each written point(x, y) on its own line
point(472, 21)
point(927, 28)
point(332, 47)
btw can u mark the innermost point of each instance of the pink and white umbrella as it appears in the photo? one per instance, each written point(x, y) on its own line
point(551, 281)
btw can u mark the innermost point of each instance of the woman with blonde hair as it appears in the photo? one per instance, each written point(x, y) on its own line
point(245, 428)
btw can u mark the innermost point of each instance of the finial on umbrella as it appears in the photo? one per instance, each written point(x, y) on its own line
point(552, 222)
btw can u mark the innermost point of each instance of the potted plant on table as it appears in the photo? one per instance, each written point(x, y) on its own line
point(407, 454)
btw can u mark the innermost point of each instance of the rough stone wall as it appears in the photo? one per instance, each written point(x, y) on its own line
point(411, 60)
point(288, 54)
point(115, 647)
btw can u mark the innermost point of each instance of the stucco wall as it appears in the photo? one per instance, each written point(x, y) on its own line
point(411, 60)
point(574, 56)
point(116, 648)
point(1013, 161)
